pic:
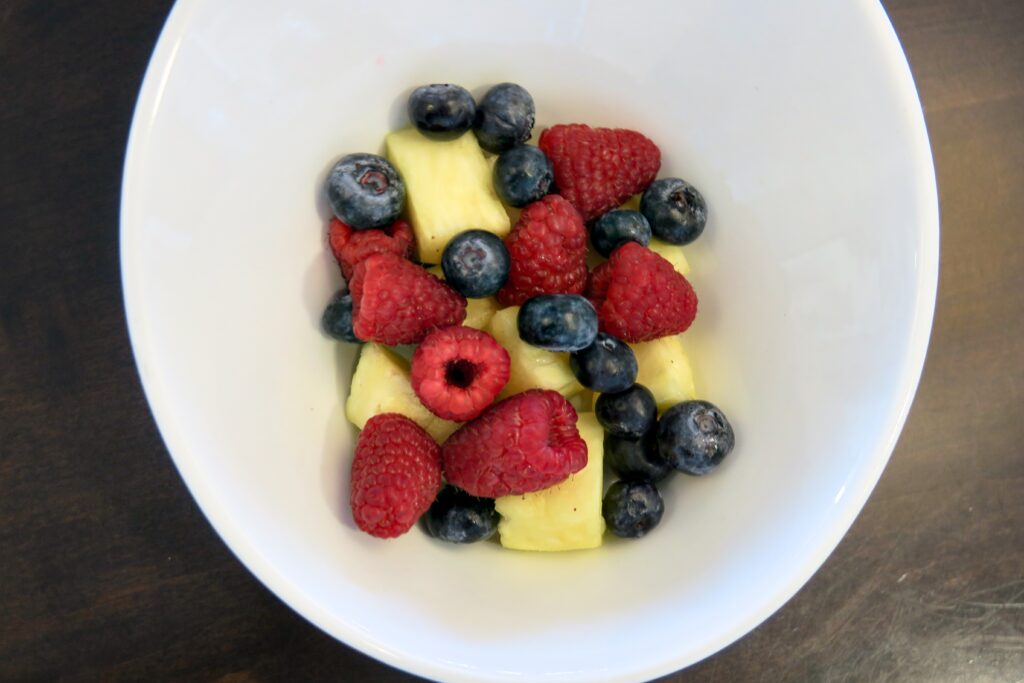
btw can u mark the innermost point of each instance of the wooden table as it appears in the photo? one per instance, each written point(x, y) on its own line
point(109, 571)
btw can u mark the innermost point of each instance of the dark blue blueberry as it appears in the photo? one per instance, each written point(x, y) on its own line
point(637, 458)
point(617, 227)
point(632, 507)
point(675, 209)
point(442, 108)
point(558, 322)
point(630, 413)
point(475, 263)
point(522, 175)
point(365, 191)
point(457, 517)
point(606, 365)
point(337, 318)
point(504, 117)
point(694, 436)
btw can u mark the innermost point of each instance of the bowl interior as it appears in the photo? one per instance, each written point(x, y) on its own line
point(816, 275)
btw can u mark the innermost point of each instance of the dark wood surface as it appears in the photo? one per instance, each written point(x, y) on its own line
point(109, 571)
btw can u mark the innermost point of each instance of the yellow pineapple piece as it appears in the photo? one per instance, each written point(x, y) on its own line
point(448, 189)
point(665, 370)
point(673, 253)
point(530, 367)
point(381, 384)
point(584, 401)
point(566, 516)
point(478, 311)
point(633, 203)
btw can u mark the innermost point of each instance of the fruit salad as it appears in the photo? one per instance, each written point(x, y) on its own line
point(519, 309)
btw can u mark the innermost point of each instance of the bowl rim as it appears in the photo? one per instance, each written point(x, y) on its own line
point(858, 489)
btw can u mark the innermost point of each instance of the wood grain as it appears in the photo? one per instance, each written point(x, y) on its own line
point(109, 572)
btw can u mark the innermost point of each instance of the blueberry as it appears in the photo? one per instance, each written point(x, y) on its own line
point(558, 322)
point(636, 457)
point(365, 191)
point(630, 413)
point(457, 517)
point(504, 117)
point(694, 436)
point(606, 365)
point(475, 263)
point(617, 227)
point(522, 175)
point(632, 507)
point(337, 318)
point(675, 209)
point(442, 108)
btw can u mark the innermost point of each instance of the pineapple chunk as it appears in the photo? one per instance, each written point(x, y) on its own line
point(566, 516)
point(380, 384)
point(673, 253)
point(665, 370)
point(478, 311)
point(633, 203)
point(584, 401)
point(531, 368)
point(448, 189)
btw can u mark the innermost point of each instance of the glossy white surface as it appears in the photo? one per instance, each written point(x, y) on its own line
point(799, 122)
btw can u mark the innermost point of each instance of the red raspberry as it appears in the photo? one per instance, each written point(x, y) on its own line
point(395, 301)
point(639, 296)
point(525, 443)
point(548, 251)
point(396, 475)
point(458, 371)
point(597, 169)
point(350, 246)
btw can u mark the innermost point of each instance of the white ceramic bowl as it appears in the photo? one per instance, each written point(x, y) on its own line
point(799, 122)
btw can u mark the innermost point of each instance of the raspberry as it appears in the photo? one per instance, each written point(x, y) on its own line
point(458, 371)
point(548, 250)
point(525, 443)
point(396, 475)
point(597, 169)
point(396, 302)
point(639, 296)
point(351, 246)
